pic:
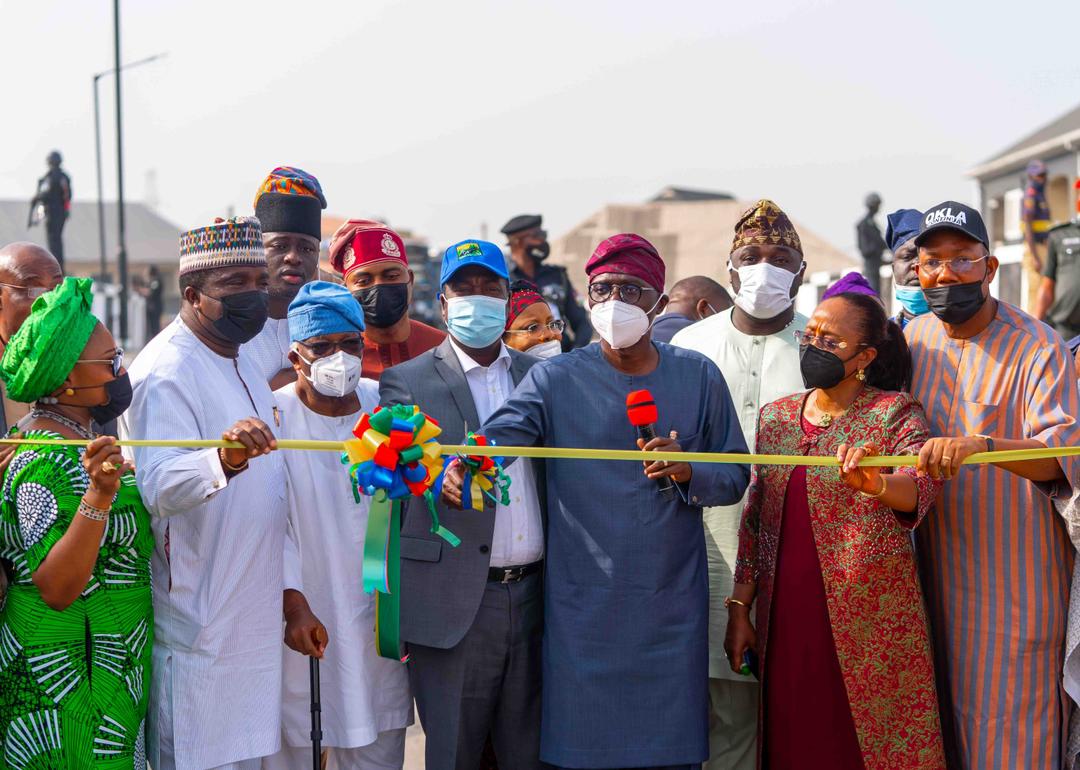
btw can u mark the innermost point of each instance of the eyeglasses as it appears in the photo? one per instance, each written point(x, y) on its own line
point(555, 327)
point(354, 346)
point(825, 343)
point(627, 292)
point(961, 266)
point(117, 361)
point(32, 292)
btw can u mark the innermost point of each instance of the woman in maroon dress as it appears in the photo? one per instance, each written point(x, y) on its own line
point(845, 662)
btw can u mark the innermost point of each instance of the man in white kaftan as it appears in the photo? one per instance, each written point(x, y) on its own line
point(366, 703)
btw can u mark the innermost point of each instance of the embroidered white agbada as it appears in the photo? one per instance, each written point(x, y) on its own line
point(362, 694)
point(217, 563)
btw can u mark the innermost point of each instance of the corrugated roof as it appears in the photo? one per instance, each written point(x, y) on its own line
point(151, 239)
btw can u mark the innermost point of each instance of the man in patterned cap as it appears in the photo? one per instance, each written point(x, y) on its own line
point(372, 260)
point(745, 342)
point(219, 522)
point(289, 208)
point(626, 602)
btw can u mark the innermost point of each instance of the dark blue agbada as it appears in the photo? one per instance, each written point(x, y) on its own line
point(625, 638)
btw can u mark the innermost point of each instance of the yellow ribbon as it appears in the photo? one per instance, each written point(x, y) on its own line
point(554, 453)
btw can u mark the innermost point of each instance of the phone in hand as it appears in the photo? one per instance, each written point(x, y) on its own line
point(750, 664)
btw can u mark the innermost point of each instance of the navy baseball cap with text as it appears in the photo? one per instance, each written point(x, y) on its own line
point(951, 215)
point(472, 252)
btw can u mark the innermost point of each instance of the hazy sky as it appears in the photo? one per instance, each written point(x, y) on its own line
point(440, 116)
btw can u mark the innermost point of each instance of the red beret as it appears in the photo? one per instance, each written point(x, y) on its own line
point(630, 254)
point(359, 242)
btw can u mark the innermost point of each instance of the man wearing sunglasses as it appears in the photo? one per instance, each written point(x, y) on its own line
point(26, 272)
point(995, 557)
point(366, 704)
point(529, 248)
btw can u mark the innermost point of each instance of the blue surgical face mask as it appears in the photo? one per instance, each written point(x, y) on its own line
point(913, 299)
point(476, 321)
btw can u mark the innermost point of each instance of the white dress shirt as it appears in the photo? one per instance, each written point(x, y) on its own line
point(269, 349)
point(519, 533)
point(217, 564)
point(362, 694)
point(758, 369)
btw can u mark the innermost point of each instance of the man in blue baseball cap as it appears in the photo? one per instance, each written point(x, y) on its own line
point(365, 698)
point(903, 226)
point(472, 616)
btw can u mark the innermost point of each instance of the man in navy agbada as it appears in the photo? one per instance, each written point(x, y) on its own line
point(625, 649)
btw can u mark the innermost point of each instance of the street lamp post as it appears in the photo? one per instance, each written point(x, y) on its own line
point(103, 269)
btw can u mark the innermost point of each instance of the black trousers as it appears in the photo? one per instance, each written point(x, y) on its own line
point(488, 684)
point(54, 228)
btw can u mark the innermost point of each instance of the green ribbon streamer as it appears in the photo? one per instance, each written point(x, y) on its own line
point(388, 601)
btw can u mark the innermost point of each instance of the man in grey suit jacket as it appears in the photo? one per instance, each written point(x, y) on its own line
point(472, 616)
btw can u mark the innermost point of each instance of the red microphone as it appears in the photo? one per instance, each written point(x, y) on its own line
point(641, 411)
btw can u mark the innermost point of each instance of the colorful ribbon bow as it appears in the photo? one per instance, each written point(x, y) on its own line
point(484, 476)
point(395, 452)
point(394, 456)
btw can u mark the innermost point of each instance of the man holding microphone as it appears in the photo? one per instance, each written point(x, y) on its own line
point(625, 656)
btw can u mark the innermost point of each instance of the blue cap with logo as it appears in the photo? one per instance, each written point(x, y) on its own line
point(950, 215)
point(472, 252)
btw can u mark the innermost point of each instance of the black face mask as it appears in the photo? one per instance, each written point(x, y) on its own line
point(820, 368)
point(383, 304)
point(120, 394)
point(957, 302)
point(243, 315)
point(541, 252)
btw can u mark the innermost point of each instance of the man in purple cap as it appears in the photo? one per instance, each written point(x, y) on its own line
point(1035, 221)
point(625, 658)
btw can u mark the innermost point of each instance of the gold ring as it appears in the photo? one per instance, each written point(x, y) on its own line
point(108, 467)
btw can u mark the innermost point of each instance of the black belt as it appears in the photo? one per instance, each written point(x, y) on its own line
point(513, 574)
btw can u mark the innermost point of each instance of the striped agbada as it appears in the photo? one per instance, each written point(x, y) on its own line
point(995, 557)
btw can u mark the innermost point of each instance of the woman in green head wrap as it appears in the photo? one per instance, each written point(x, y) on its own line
point(77, 627)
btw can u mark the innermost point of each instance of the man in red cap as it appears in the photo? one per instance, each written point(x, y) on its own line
point(371, 257)
point(625, 653)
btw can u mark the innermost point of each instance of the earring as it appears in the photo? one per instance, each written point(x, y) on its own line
point(69, 392)
point(861, 375)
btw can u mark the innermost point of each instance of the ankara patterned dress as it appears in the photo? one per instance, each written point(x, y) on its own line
point(73, 682)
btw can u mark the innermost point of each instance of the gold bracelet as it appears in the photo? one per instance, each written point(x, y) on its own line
point(732, 600)
point(229, 467)
point(884, 486)
point(92, 513)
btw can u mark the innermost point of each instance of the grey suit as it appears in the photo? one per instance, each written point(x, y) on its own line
point(474, 646)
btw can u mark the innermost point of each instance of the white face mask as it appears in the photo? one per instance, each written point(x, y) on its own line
point(764, 289)
point(334, 376)
point(619, 324)
point(548, 349)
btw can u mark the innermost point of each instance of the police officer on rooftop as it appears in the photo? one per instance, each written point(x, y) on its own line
point(529, 248)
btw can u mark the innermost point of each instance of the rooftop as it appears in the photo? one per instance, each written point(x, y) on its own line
point(151, 239)
point(1056, 135)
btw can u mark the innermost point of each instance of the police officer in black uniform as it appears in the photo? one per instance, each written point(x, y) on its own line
point(1058, 300)
point(54, 195)
point(529, 248)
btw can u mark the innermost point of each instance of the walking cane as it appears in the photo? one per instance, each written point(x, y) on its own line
point(316, 716)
